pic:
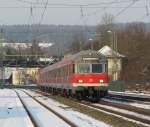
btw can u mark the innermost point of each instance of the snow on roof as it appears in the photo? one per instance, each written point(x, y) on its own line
point(44, 44)
point(51, 59)
point(108, 52)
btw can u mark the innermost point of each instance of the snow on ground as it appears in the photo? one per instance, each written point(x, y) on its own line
point(135, 104)
point(147, 93)
point(119, 116)
point(12, 113)
point(140, 105)
point(44, 117)
point(128, 93)
point(124, 111)
point(76, 117)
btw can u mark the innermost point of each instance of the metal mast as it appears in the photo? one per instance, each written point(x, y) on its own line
point(1, 56)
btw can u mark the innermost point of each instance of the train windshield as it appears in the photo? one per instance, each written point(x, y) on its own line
point(92, 68)
point(97, 68)
point(84, 68)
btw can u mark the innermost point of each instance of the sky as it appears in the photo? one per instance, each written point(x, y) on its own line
point(72, 12)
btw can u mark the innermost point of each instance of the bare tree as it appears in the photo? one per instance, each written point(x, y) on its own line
point(35, 50)
point(106, 24)
point(78, 43)
point(133, 42)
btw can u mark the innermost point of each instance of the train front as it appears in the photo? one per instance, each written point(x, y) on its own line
point(90, 78)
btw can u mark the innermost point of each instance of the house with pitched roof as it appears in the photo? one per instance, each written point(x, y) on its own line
point(114, 62)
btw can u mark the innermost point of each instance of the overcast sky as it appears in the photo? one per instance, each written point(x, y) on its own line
point(72, 12)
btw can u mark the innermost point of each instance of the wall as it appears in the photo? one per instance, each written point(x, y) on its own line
point(22, 76)
point(114, 68)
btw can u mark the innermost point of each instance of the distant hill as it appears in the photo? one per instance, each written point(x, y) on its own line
point(61, 35)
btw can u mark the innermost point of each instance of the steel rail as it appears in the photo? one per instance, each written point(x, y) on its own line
point(27, 111)
point(129, 98)
point(51, 110)
point(127, 116)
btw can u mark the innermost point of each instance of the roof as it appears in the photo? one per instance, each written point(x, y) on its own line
point(51, 59)
point(109, 52)
point(86, 52)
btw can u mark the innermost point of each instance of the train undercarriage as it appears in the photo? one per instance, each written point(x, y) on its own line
point(92, 94)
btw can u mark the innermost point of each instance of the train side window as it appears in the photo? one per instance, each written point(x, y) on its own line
point(47, 76)
point(64, 71)
point(58, 72)
point(73, 68)
point(49, 73)
point(67, 70)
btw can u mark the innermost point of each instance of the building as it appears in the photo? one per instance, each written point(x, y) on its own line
point(114, 62)
point(24, 76)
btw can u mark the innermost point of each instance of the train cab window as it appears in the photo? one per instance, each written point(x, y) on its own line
point(84, 68)
point(97, 68)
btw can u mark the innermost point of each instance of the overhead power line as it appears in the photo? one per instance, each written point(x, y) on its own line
point(75, 5)
point(124, 9)
point(28, 7)
point(43, 13)
point(147, 10)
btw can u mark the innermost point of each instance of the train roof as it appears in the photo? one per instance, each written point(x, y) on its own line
point(85, 53)
point(72, 58)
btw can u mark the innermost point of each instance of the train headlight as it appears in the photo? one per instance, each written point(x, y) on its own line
point(101, 81)
point(80, 81)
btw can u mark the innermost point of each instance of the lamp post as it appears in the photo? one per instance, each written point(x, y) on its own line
point(91, 43)
point(2, 55)
point(113, 40)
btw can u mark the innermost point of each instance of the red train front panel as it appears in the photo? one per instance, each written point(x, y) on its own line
point(90, 80)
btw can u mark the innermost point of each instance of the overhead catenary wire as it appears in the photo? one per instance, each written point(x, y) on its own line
point(127, 7)
point(40, 6)
point(42, 16)
point(98, 10)
point(147, 11)
point(43, 13)
point(104, 8)
point(76, 5)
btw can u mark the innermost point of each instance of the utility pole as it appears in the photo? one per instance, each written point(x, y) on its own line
point(2, 55)
point(91, 43)
point(113, 40)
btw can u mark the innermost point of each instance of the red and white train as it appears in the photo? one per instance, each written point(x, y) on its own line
point(83, 75)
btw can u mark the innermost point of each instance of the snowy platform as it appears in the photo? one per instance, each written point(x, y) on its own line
point(12, 113)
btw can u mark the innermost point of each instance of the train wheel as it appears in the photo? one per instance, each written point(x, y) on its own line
point(79, 95)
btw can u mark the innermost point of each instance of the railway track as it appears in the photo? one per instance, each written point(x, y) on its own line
point(126, 106)
point(128, 97)
point(51, 110)
point(34, 122)
point(101, 107)
point(128, 116)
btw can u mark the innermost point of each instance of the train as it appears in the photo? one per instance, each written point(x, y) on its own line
point(82, 75)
